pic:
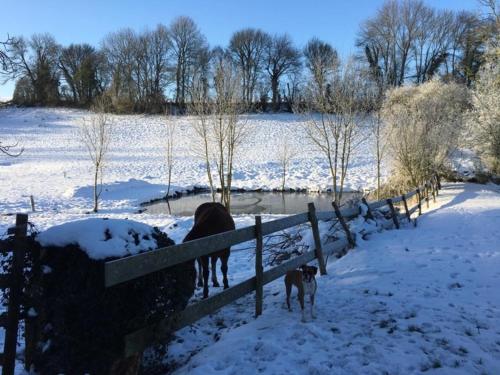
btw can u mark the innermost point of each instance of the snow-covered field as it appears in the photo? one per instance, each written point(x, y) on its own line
point(56, 170)
point(402, 302)
point(408, 301)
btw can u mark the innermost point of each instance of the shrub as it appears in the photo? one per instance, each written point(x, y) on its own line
point(425, 124)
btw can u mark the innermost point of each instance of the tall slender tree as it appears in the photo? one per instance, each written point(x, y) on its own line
point(248, 47)
point(187, 44)
point(281, 57)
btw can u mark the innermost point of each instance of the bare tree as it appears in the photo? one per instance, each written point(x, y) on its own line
point(120, 51)
point(247, 47)
point(374, 99)
point(200, 107)
point(284, 154)
point(187, 42)
point(170, 129)
point(5, 68)
point(334, 118)
point(96, 133)
point(292, 92)
point(493, 7)
point(464, 55)
point(228, 130)
point(81, 67)
point(6, 47)
point(36, 61)
point(432, 41)
point(281, 58)
point(380, 134)
point(218, 124)
point(152, 77)
point(322, 62)
point(387, 39)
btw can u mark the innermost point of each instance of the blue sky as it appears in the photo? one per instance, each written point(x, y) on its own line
point(70, 21)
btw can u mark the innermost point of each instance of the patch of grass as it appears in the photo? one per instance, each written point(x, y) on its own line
point(469, 332)
point(410, 315)
point(220, 323)
point(414, 328)
point(443, 342)
point(455, 286)
point(383, 324)
point(436, 363)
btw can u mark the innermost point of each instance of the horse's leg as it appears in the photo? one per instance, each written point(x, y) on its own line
point(223, 267)
point(204, 262)
point(214, 271)
point(200, 272)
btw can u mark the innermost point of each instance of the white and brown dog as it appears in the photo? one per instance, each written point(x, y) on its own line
point(305, 282)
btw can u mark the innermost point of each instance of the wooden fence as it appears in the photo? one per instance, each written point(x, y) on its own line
point(132, 267)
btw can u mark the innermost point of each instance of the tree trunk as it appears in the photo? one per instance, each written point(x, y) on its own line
point(274, 88)
point(96, 195)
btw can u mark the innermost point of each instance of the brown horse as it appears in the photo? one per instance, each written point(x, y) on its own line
point(209, 219)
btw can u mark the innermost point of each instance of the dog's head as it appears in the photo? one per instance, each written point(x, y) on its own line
point(308, 272)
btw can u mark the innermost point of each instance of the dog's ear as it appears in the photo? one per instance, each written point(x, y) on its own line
point(315, 269)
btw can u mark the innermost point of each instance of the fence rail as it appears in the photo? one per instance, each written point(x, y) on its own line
point(132, 267)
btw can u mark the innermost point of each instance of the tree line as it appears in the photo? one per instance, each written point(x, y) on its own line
point(405, 41)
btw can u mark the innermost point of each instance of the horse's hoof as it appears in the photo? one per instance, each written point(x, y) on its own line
point(226, 286)
point(216, 285)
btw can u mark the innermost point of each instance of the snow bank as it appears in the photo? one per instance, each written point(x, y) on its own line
point(102, 238)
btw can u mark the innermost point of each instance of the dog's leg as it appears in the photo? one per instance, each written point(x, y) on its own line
point(224, 268)
point(204, 262)
point(288, 292)
point(200, 272)
point(313, 314)
point(301, 301)
point(214, 272)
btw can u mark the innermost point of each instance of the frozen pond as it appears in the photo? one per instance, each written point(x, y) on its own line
point(251, 203)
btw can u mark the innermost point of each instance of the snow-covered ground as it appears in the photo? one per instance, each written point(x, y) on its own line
point(402, 302)
point(408, 301)
point(56, 170)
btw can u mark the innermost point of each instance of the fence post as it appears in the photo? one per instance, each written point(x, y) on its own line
point(12, 326)
point(32, 201)
point(419, 197)
point(317, 239)
point(406, 208)
point(348, 233)
point(393, 212)
point(369, 211)
point(259, 279)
